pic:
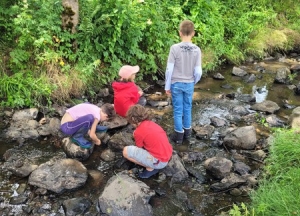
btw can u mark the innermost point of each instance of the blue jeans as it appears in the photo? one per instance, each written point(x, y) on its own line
point(182, 96)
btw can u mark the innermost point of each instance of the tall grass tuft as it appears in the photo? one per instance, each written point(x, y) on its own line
point(279, 191)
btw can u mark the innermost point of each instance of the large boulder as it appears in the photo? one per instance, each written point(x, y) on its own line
point(295, 118)
point(59, 175)
point(125, 195)
point(218, 167)
point(241, 138)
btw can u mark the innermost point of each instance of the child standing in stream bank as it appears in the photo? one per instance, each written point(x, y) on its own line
point(153, 150)
point(84, 118)
point(183, 71)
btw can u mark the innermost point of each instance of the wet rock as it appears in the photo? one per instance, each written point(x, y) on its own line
point(158, 103)
point(241, 168)
point(236, 192)
point(108, 155)
point(218, 167)
point(116, 122)
point(44, 130)
point(247, 98)
point(294, 118)
point(218, 76)
point(25, 126)
point(18, 200)
point(41, 191)
point(204, 132)
point(241, 138)
point(259, 68)
point(59, 175)
point(190, 157)
point(54, 126)
point(282, 75)
point(160, 192)
point(25, 114)
point(21, 162)
point(24, 170)
point(259, 155)
point(238, 72)
point(251, 180)
point(61, 110)
point(227, 86)
point(250, 78)
point(231, 181)
point(121, 139)
point(236, 156)
point(103, 92)
point(183, 199)
point(74, 151)
point(274, 121)
point(240, 110)
point(201, 177)
point(76, 206)
point(126, 196)
point(297, 89)
point(218, 122)
point(288, 106)
point(295, 68)
point(175, 169)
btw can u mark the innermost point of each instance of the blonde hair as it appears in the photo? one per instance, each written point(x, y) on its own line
point(137, 113)
point(186, 27)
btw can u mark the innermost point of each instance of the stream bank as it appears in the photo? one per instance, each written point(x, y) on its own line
point(220, 107)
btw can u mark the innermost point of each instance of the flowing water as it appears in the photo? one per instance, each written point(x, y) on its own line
point(201, 200)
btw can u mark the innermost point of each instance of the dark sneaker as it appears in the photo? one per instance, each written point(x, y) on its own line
point(82, 142)
point(177, 137)
point(187, 134)
point(147, 174)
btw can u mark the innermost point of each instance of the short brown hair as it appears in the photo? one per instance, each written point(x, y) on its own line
point(108, 109)
point(186, 27)
point(137, 113)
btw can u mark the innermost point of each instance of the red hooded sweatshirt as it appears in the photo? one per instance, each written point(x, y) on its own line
point(125, 95)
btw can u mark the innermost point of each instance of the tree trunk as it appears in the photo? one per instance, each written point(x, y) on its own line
point(70, 15)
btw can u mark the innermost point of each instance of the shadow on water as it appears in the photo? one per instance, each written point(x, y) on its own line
point(201, 200)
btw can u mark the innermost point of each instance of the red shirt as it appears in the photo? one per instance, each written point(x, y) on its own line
point(125, 95)
point(153, 138)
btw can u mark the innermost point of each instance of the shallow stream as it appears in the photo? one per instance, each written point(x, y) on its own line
point(201, 200)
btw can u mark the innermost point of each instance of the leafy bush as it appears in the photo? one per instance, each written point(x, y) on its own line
point(22, 89)
point(133, 32)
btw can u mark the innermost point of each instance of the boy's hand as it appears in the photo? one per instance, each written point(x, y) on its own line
point(168, 92)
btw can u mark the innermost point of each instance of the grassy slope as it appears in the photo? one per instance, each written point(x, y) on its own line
point(279, 190)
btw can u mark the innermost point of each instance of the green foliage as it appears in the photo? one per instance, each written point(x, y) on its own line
point(284, 151)
point(125, 32)
point(278, 192)
point(22, 89)
point(137, 32)
point(241, 210)
point(241, 18)
point(261, 119)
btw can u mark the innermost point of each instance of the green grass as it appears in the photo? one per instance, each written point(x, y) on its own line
point(278, 193)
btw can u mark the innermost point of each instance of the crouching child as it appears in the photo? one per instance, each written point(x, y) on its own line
point(153, 149)
point(83, 119)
